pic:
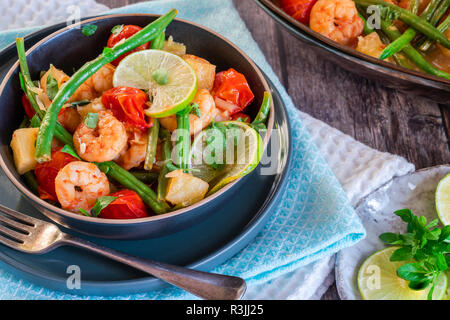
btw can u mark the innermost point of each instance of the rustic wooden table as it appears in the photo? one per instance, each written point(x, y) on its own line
point(382, 118)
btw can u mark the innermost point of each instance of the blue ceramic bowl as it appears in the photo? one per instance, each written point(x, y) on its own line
point(67, 49)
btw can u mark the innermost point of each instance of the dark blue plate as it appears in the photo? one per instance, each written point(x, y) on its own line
point(203, 246)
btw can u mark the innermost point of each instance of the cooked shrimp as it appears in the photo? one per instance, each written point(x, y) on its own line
point(207, 107)
point(84, 92)
point(93, 87)
point(79, 184)
point(104, 143)
point(337, 20)
point(69, 118)
point(95, 106)
point(134, 154)
point(102, 80)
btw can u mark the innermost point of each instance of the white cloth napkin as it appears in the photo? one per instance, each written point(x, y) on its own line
point(359, 168)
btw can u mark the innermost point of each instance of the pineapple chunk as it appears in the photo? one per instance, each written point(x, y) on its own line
point(23, 144)
point(185, 189)
point(174, 47)
point(205, 71)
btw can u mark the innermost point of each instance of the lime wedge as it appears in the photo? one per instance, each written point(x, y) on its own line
point(169, 79)
point(243, 152)
point(443, 200)
point(378, 280)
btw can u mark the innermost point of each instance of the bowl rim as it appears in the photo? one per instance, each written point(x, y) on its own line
point(119, 222)
point(329, 44)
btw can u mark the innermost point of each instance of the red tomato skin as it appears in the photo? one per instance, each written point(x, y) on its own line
point(127, 32)
point(27, 106)
point(241, 115)
point(300, 10)
point(232, 86)
point(128, 205)
point(127, 105)
point(46, 174)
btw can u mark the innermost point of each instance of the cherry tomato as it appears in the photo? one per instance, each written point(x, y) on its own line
point(241, 116)
point(126, 32)
point(27, 106)
point(128, 205)
point(127, 105)
point(46, 174)
point(300, 10)
point(232, 87)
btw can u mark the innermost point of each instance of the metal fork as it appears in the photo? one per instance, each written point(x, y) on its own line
point(31, 235)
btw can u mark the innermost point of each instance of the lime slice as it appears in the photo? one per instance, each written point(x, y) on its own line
point(243, 152)
point(443, 200)
point(147, 68)
point(378, 280)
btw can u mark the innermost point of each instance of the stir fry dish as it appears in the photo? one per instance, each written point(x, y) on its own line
point(142, 130)
point(410, 33)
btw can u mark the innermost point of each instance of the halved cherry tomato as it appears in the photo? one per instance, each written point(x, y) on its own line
point(128, 205)
point(27, 106)
point(300, 10)
point(46, 174)
point(232, 87)
point(126, 32)
point(240, 116)
point(127, 105)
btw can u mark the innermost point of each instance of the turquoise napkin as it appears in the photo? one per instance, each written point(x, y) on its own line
point(312, 220)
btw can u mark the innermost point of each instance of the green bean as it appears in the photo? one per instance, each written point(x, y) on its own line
point(183, 143)
point(414, 6)
point(47, 129)
point(146, 177)
point(398, 44)
point(412, 20)
point(152, 143)
point(412, 53)
point(60, 133)
point(129, 181)
point(409, 34)
point(367, 29)
point(167, 156)
point(158, 42)
point(31, 181)
point(440, 12)
point(264, 110)
point(442, 28)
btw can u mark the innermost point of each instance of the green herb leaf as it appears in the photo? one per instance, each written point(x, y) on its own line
point(69, 150)
point(160, 76)
point(91, 120)
point(101, 204)
point(89, 29)
point(35, 122)
point(195, 109)
point(117, 29)
point(405, 214)
point(106, 51)
point(402, 254)
point(84, 212)
point(79, 103)
point(391, 238)
point(52, 87)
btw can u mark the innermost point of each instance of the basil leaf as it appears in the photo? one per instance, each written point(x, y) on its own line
point(91, 120)
point(89, 29)
point(52, 87)
point(69, 150)
point(117, 29)
point(101, 204)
